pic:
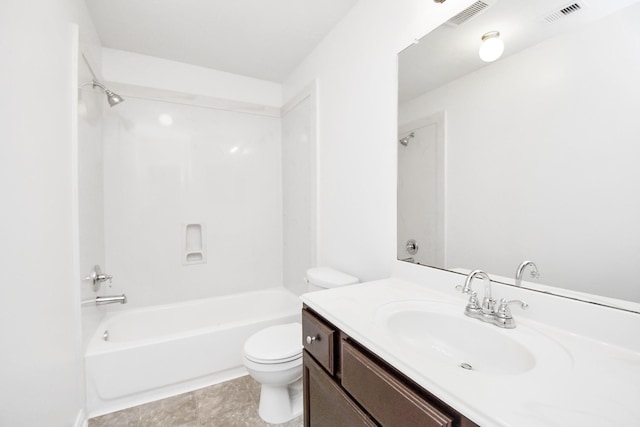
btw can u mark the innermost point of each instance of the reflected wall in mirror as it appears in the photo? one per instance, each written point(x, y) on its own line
point(539, 157)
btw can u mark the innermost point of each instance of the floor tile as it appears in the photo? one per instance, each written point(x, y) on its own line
point(229, 404)
point(176, 411)
point(125, 418)
point(223, 397)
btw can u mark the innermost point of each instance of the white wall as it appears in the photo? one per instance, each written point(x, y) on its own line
point(148, 71)
point(207, 166)
point(356, 70)
point(533, 151)
point(41, 358)
point(299, 189)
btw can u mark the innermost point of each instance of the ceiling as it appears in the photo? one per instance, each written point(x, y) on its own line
point(255, 38)
point(450, 52)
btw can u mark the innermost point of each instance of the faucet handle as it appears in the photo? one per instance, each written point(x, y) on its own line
point(104, 278)
point(96, 278)
point(472, 305)
point(503, 310)
point(465, 289)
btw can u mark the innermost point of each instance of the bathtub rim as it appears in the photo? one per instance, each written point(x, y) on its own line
point(97, 345)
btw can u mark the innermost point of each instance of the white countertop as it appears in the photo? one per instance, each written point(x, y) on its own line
point(591, 382)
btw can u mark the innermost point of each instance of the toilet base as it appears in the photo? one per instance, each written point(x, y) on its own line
point(279, 404)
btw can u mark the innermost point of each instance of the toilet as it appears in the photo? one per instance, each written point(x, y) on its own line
point(273, 356)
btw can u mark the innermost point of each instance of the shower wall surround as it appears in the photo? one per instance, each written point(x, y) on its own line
point(299, 189)
point(167, 165)
point(91, 103)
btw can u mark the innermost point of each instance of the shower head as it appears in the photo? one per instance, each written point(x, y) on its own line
point(112, 98)
point(405, 141)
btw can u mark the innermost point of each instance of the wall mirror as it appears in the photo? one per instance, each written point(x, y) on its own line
point(534, 156)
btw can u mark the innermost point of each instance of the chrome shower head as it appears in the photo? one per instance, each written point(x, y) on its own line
point(112, 98)
point(405, 141)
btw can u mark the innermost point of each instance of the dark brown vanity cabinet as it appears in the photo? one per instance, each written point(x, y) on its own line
point(346, 385)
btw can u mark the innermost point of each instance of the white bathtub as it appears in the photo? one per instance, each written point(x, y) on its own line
point(160, 351)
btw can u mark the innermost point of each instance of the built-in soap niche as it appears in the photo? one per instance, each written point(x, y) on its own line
point(194, 249)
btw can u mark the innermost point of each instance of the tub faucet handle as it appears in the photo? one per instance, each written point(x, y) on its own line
point(104, 278)
point(96, 277)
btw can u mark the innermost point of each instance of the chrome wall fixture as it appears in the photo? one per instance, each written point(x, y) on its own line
point(111, 299)
point(112, 98)
point(107, 299)
point(97, 278)
point(412, 247)
point(405, 141)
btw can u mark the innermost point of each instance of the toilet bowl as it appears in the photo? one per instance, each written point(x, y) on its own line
point(273, 356)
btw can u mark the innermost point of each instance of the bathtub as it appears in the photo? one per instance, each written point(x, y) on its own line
point(156, 352)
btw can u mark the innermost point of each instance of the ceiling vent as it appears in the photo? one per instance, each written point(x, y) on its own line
point(474, 10)
point(565, 11)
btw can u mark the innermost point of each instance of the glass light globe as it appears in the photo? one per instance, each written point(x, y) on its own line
point(492, 47)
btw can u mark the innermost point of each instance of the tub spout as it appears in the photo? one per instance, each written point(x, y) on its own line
point(110, 299)
point(122, 299)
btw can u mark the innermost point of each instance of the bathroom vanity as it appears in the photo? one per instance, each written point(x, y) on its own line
point(401, 352)
point(346, 385)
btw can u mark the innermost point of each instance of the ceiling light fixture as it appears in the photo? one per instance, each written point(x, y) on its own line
point(491, 47)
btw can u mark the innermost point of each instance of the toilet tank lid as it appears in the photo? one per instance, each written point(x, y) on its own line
point(327, 277)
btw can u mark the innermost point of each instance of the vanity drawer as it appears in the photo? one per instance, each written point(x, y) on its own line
point(385, 397)
point(318, 339)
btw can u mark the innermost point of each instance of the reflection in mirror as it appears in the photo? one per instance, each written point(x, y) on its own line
point(421, 191)
point(534, 157)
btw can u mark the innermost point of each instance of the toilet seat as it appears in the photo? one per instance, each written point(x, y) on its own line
point(275, 344)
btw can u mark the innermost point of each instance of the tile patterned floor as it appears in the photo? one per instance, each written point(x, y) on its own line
point(229, 404)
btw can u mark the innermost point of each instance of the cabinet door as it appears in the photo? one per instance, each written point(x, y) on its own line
point(385, 396)
point(325, 404)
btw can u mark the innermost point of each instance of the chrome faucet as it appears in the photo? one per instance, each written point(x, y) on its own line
point(524, 264)
point(488, 303)
point(96, 277)
point(487, 312)
point(112, 299)
point(109, 299)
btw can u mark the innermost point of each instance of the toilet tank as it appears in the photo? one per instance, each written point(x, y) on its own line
point(319, 278)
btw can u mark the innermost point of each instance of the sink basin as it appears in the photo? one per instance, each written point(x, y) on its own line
point(441, 333)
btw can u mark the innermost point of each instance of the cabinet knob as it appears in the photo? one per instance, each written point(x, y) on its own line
point(310, 339)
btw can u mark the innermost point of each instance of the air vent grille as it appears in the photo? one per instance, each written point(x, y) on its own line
point(468, 13)
point(563, 12)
